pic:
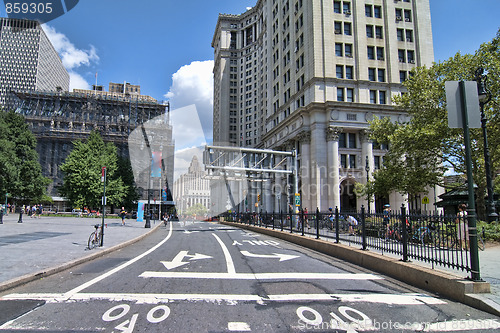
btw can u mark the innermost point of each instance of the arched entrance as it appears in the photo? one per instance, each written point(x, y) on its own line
point(347, 196)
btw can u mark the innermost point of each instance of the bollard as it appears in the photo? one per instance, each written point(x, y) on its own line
point(302, 221)
point(20, 216)
point(1, 216)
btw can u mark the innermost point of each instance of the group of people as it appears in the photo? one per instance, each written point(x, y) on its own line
point(33, 211)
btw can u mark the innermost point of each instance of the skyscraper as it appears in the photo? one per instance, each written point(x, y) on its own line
point(309, 75)
point(28, 61)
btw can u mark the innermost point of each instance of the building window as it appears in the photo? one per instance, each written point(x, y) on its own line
point(342, 140)
point(336, 7)
point(337, 27)
point(380, 53)
point(409, 36)
point(352, 161)
point(349, 72)
point(347, 29)
point(371, 74)
point(349, 95)
point(373, 96)
point(340, 94)
point(411, 56)
point(400, 35)
point(348, 50)
point(399, 14)
point(347, 8)
point(352, 117)
point(381, 97)
point(402, 76)
point(340, 71)
point(368, 11)
point(371, 52)
point(377, 11)
point(352, 140)
point(369, 31)
point(343, 161)
point(381, 75)
point(376, 160)
point(407, 15)
point(401, 55)
point(378, 32)
point(338, 49)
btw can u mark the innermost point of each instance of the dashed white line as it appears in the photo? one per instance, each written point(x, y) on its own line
point(238, 327)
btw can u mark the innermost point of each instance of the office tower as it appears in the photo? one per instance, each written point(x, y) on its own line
point(309, 75)
point(28, 61)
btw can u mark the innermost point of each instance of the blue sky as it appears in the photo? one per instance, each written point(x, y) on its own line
point(165, 46)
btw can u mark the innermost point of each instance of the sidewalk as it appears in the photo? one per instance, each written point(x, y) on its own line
point(46, 244)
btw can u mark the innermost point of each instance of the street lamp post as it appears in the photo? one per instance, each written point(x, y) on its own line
point(484, 97)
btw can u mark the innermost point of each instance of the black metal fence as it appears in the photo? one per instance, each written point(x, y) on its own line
point(433, 238)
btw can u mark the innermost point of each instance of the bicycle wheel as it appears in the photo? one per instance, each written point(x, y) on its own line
point(92, 241)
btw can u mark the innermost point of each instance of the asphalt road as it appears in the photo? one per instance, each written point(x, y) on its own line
point(204, 277)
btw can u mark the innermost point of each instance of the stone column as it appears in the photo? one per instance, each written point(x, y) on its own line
point(318, 164)
point(304, 139)
point(332, 138)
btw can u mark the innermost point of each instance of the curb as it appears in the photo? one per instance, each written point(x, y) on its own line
point(441, 283)
point(16, 282)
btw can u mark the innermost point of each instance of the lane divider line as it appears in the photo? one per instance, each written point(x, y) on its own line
point(227, 255)
point(76, 290)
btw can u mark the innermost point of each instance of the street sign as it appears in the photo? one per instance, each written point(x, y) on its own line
point(453, 104)
point(103, 173)
point(425, 200)
point(297, 199)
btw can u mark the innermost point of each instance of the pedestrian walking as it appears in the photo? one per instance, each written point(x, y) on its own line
point(462, 227)
point(387, 220)
point(123, 212)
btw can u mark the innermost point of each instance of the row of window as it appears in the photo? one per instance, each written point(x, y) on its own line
point(349, 161)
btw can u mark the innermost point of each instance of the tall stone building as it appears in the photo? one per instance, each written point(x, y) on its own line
point(192, 187)
point(309, 75)
point(28, 61)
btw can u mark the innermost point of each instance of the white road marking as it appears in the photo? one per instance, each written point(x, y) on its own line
point(70, 293)
point(177, 261)
point(227, 255)
point(238, 327)
point(281, 257)
point(389, 299)
point(260, 276)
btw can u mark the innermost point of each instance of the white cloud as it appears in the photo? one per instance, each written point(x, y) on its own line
point(72, 57)
point(76, 81)
point(193, 84)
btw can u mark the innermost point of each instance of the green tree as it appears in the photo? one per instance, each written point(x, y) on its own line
point(21, 174)
point(82, 184)
point(196, 209)
point(423, 148)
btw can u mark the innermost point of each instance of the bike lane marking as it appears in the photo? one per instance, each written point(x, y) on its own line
point(76, 290)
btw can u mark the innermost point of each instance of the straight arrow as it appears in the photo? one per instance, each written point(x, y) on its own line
point(280, 256)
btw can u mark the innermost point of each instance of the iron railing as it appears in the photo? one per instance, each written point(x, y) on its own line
point(432, 238)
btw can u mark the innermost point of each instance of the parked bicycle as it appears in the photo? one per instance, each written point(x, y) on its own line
point(426, 235)
point(95, 237)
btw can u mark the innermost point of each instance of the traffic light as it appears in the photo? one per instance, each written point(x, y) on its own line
point(258, 197)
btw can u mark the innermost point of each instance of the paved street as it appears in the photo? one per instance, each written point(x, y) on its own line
point(207, 277)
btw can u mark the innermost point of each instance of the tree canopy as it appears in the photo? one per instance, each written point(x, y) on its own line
point(424, 148)
point(82, 184)
point(21, 174)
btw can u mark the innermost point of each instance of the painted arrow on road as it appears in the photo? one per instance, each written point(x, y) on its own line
point(177, 261)
point(280, 256)
point(190, 232)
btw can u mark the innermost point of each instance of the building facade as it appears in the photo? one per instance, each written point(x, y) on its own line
point(192, 188)
point(59, 118)
point(309, 76)
point(28, 61)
